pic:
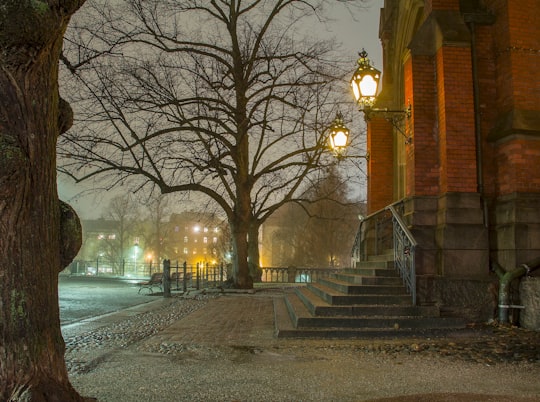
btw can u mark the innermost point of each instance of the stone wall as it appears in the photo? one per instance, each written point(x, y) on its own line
point(530, 299)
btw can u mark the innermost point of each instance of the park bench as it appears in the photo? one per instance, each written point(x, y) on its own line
point(155, 280)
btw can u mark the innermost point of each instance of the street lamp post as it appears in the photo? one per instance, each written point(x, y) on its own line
point(365, 86)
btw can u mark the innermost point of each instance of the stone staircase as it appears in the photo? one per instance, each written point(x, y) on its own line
point(367, 301)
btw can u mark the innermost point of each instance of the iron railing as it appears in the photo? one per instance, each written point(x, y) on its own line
point(404, 252)
point(385, 230)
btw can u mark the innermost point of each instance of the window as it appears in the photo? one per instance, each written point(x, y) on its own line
point(176, 229)
point(101, 236)
point(205, 240)
point(205, 230)
point(185, 250)
point(185, 239)
point(112, 237)
point(214, 240)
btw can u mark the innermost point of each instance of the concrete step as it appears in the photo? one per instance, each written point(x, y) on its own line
point(348, 288)
point(334, 297)
point(369, 280)
point(293, 320)
point(319, 308)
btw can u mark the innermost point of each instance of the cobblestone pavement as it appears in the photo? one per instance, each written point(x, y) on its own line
point(222, 348)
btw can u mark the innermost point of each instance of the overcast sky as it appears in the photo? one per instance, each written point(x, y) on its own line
point(354, 31)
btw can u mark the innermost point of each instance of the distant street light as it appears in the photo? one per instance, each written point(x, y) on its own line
point(339, 135)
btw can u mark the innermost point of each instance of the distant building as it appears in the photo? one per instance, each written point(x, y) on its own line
point(198, 237)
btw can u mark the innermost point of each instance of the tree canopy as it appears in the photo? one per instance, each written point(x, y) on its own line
point(226, 98)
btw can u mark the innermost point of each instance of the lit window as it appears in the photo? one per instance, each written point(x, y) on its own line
point(194, 251)
point(205, 240)
point(205, 250)
point(214, 240)
point(101, 237)
point(185, 239)
point(112, 237)
point(214, 251)
point(185, 250)
point(205, 230)
point(216, 230)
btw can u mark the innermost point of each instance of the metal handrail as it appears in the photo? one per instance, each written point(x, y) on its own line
point(404, 252)
point(386, 229)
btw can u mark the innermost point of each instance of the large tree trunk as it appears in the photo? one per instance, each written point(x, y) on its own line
point(39, 235)
point(241, 277)
point(253, 252)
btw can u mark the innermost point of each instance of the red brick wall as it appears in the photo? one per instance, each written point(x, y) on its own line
point(519, 166)
point(431, 5)
point(516, 62)
point(380, 164)
point(457, 149)
point(422, 156)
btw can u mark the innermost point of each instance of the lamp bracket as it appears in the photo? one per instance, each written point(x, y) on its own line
point(394, 117)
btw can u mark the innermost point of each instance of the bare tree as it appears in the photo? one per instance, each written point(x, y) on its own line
point(225, 98)
point(123, 210)
point(319, 231)
point(157, 231)
point(39, 235)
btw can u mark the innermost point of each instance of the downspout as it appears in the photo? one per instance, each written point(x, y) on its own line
point(472, 19)
point(478, 123)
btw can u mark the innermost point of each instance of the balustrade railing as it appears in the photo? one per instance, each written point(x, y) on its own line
point(295, 274)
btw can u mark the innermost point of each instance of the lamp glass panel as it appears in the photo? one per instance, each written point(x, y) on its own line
point(368, 86)
point(339, 139)
point(356, 90)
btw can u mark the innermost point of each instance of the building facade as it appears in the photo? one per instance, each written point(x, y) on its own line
point(465, 172)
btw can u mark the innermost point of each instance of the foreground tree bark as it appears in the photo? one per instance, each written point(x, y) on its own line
point(39, 235)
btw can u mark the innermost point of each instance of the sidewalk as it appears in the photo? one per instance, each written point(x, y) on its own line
point(223, 349)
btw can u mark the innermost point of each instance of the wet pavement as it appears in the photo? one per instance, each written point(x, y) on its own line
point(82, 297)
point(221, 347)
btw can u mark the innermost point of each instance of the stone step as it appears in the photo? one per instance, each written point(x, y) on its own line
point(318, 307)
point(374, 264)
point(293, 320)
point(386, 272)
point(334, 297)
point(382, 257)
point(369, 280)
point(348, 288)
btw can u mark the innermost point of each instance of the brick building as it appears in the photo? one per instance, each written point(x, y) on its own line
point(465, 170)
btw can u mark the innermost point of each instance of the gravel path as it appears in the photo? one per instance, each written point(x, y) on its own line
point(129, 360)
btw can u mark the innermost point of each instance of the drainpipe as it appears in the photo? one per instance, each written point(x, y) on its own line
point(505, 278)
point(472, 19)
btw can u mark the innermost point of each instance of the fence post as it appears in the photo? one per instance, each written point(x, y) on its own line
point(177, 279)
point(198, 278)
point(184, 287)
point(166, 278)
point(221, 273)
point(123, 267)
